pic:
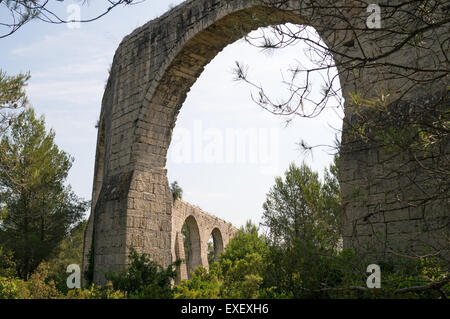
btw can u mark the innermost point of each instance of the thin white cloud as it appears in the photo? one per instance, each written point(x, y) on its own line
point(77, 92)
point(78, 78)
point(97, 65)
point(73, 41)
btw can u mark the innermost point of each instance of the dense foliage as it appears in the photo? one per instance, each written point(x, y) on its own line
point(38, 209)
point(70, 252)
point(12, 97)
point(144, 278)
point(299, 208)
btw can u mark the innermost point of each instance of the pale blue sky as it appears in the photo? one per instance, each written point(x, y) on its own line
point(69, 68)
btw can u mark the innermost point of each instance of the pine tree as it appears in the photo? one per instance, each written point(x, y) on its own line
point(302, 208)
point(38, 208)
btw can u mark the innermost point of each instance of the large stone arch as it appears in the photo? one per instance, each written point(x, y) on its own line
point(153, 69)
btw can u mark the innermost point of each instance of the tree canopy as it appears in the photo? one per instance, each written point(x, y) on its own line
point(300, 208)
point(38, 208)
point(12, 97)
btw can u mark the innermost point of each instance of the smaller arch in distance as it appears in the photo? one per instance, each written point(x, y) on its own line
point(217, 241)
point(191, 238)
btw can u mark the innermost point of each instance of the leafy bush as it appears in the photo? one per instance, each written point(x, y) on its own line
point(13, 288)
point(96, 292)
point(204, 284)
point(7, 264)
point(144, 278)
point(37, 287)
point(40, 286)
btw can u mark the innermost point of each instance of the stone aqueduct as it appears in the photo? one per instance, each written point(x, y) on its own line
point(153, 69)
point(201, 227)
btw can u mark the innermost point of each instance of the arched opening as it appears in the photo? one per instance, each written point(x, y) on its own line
point(191, 244)
point(175, 75)
point(215, 245)
point(217, 183)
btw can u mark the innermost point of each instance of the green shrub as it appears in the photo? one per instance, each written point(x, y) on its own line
point(96, 292)
point(203, 284)
point(144, 278)
point(13, 288)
